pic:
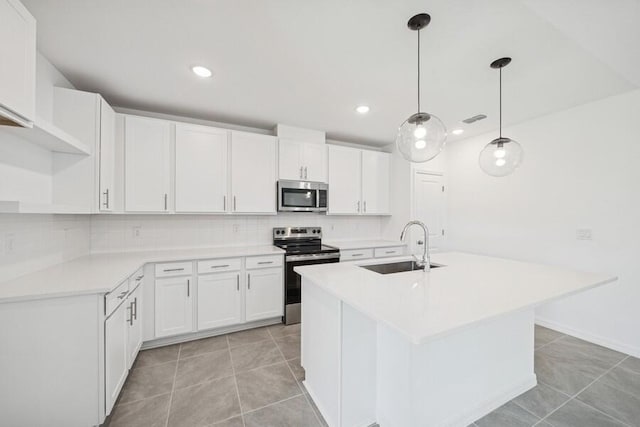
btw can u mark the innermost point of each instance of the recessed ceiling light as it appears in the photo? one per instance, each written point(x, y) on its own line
point(457, 131)
point(201, 71)
point(362, 109)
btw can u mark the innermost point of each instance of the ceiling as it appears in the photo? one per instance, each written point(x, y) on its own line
point(309, 63)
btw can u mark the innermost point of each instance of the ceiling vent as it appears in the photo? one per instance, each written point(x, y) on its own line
point(474, 119)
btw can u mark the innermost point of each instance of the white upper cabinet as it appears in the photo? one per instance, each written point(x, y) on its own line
point(253, 173)
point(201, 168)
point(17, 64)
point(358, 181)
point(147, 164)
point(302, 161)
point(107, 156)
point(375, 182)
point(344, 180)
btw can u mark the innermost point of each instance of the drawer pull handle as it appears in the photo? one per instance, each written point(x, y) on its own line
point(220, 266)
point(123, 294)
point(265, 262)
point(390, 252)
point(173, 269)
point(357, 254)
point(139, 278)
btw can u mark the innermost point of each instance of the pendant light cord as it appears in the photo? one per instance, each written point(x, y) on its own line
point(500, 102)
point(418, 71)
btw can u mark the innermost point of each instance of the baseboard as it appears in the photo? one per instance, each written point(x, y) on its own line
point(587, 336)
point(491, 404)
point(161, 342)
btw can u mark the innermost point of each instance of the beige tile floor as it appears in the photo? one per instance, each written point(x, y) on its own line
point(253, 379)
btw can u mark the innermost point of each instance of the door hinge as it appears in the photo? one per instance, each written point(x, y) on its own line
point(443, 188)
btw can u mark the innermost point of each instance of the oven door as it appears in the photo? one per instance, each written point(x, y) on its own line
point(293, 282)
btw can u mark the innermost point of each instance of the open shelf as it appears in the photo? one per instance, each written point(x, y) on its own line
point(51, 137)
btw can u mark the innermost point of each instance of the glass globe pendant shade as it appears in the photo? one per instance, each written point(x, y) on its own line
point(501, 157)
point(421, 137)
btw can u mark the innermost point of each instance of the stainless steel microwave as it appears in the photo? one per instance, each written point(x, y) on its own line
point(302, 196)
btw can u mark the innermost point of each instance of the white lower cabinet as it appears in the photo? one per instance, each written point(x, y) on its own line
point(115, 347)
point(265, 294)
point(173, 306)
point(219, 300)
point(134, 325)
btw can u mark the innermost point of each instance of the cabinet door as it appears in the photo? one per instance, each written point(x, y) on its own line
point(201, 169)
point(344, 180)
point(18, 64)
point(115, 357)
point(147, 164)
point(107, 156)
point(134, 325)
point(314, 160)
point(174, 306)
point(265, 294)
point(253, 173)
point(219, 300)
point(290, 156)
point(375, 182)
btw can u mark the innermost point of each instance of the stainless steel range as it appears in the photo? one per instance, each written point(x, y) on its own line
point(303, 246)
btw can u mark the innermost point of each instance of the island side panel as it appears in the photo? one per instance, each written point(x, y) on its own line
point(359, 364)
point(455, 379)
point(321, 349)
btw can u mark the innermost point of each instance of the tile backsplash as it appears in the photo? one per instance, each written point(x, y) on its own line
point(30, 242)
point(150, 232)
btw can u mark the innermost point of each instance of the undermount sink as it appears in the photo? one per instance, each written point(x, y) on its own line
point(396, 267)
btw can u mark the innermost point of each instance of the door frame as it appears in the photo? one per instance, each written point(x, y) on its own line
point(414, 174)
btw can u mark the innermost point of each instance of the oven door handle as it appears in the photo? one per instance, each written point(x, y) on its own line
point(311, 257)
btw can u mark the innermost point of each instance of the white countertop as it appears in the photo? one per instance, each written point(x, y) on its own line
point(101, 273)
point(469, 289)
point(345, 245)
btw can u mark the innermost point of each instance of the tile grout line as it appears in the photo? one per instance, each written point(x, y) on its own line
point(551, 342)
point(173, 386)
point(306, 397)
point(235, 381)
point(586, 404)
point(273, 404)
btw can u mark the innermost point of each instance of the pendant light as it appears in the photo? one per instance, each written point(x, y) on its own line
point(503, 155)
point(422, 136)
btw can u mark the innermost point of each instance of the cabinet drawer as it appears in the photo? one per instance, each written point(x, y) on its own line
point(218, 265)
point(136, 279)
point(264, 261)
point(356, 254)
point(174, 269)
point(113, 299)
point(386, 252)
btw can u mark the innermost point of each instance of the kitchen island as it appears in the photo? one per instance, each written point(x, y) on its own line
point(428, 349)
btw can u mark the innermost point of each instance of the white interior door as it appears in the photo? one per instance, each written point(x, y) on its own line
point(201, 169)
point(428, 207)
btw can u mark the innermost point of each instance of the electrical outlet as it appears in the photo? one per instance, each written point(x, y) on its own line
point(9, 243)
point(583, 234)
point(236, 228)
point(136, 231)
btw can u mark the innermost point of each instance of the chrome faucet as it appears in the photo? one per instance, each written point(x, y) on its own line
point(425, 262)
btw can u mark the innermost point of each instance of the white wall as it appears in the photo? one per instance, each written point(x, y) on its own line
point(117, 232)
point(580, 171)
